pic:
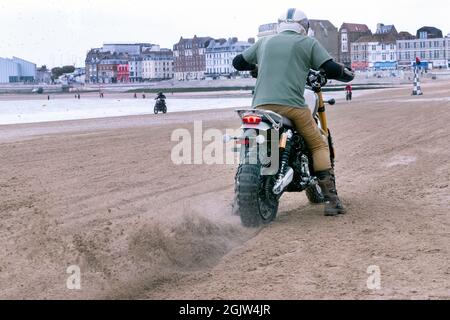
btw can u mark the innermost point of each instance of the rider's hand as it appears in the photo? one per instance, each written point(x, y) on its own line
point(254, 73)
point(348, 74)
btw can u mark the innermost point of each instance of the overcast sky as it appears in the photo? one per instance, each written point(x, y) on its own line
point(56, 32)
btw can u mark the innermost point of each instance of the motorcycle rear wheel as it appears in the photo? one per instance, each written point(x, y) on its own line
point(255, 201)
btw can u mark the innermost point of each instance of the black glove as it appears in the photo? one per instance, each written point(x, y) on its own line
point(349, 74)
point(254, 73)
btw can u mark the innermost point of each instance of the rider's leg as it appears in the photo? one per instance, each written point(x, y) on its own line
point(317, 144)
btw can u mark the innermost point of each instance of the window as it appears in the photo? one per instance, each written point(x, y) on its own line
point(423, 35)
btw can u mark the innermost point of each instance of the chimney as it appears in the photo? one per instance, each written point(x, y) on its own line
point(251, 40)
point(234, 39)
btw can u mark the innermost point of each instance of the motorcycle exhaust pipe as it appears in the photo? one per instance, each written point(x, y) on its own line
point(284, 182)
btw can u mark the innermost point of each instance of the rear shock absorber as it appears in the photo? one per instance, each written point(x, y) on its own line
point(286, 174)
point(287, 146)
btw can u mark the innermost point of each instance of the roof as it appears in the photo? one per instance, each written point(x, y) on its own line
point(383, 29)
point(325, 24)
point(404, 35)
point(232, 44)
point(380, 38)
point(355, 27)
point(432, 32)
point(202, 40)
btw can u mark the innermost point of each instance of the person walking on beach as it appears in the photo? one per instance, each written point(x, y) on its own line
point(349, 91)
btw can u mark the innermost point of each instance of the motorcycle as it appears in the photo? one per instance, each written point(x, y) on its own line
point(160, 106)
point(275, 159)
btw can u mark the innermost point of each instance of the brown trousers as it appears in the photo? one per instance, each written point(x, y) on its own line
point(307, 127)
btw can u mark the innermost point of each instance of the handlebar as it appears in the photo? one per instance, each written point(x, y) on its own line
point(317, 79)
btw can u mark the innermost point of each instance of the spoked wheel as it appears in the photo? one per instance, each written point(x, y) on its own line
point(165, 110)
point(155, 110)
point(255, 201)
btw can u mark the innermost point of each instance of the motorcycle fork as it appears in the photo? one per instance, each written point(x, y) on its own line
point(324, 123)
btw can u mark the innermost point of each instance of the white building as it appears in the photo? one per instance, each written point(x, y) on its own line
point(220, 55)
point(447, 49)
point(382, 56)
point(17, 70)
point(432, 52)
point(370, 54)
point(136, 68)
point(157, 65)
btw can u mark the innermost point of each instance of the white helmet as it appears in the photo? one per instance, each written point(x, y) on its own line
point(293, 20)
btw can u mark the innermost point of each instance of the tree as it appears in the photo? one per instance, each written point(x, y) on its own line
point(68, 69)
point(58, 71)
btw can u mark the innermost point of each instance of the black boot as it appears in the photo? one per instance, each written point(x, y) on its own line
point(333, 205)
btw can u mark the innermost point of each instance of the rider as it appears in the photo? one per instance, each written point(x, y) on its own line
point(283, 62)
point(160, 96)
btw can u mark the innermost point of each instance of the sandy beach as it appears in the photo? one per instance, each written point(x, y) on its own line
point(104, 195)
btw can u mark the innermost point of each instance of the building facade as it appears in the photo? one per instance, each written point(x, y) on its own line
point(220, 55)
point(108, 70)
point(373, 54)
point(432, 52)
point(123, 73)
point(17, 70)
point(190, 58)
point(348, 34)
point(429, 45)
point(158, 65)
point(136, 68)
point(377, 52)
point(447, 49)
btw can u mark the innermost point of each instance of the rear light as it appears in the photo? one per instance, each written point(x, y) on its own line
point(252, 119)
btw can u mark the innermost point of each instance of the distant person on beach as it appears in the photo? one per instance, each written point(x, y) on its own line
point(349, 91)
point(143, 96)
point(135, 96)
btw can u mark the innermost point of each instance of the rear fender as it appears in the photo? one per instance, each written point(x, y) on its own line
point(267, 153)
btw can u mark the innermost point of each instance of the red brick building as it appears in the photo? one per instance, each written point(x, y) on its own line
point(348, 34)
point(190, 58)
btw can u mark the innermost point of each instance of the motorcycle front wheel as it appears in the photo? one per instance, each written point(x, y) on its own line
point(255, 201)
point(155, 110)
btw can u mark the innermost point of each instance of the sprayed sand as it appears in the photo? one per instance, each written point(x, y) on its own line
point(103, 194)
